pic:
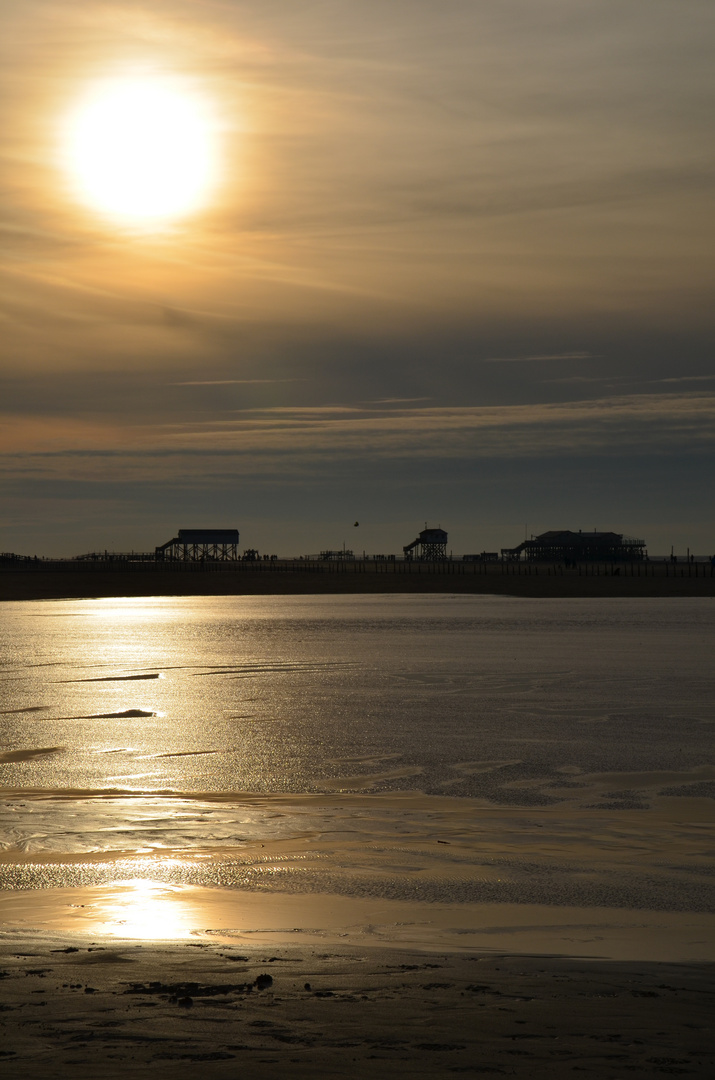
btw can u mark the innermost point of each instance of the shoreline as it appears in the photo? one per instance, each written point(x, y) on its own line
point(84, 581)
point(126, 1008)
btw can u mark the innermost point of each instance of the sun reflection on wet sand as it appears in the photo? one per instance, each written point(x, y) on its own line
point(148, 911)
point(143, 909)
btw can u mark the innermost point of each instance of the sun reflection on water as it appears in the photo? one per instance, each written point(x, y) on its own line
point(144, 909)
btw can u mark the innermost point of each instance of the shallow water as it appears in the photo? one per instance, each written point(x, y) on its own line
point(444, 749)
point(489, 697)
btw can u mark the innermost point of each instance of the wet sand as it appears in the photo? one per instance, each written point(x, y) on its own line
point(70, 1008)
point(415, 869)
point(297, 986)
point(147, 909)
point(87, 582)
point(556, 921)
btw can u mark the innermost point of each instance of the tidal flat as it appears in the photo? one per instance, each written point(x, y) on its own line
point(507, 791)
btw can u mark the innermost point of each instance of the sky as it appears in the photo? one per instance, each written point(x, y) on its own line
point(454, 265)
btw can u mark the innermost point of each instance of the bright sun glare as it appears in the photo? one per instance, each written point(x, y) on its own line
point(142, 150)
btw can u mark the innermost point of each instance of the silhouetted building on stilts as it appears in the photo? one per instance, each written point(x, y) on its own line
point(199, 545)
point(430, 546)
point(565, 546)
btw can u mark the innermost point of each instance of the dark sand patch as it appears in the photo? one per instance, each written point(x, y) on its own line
point(30, 755)
point(124, 714)
point(701, 789)
point(116, 678)
point(249, 670)
point(189, 753)
point(27, 709)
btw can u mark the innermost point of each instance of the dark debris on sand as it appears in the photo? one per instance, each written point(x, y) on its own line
point(160, 1011)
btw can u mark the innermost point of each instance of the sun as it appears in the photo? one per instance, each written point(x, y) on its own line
point(142, 150)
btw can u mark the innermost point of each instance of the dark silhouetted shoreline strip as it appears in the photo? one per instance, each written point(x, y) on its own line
point(48, 580)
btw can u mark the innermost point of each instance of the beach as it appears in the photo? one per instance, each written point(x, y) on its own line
point(430, 834)
point(397, 763)
point(123, 1008)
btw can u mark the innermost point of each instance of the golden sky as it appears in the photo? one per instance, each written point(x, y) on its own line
point(445, 248)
